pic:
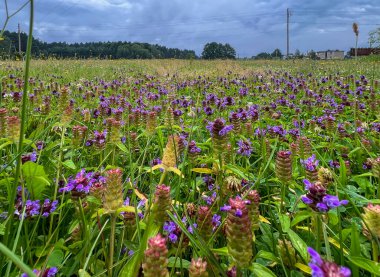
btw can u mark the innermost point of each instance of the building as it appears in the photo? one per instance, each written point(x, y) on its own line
point(330, 55)
point(365, 51)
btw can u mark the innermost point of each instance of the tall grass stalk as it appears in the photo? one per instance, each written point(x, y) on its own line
point(12, 195)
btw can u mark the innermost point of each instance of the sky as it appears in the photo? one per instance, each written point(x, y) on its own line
point(250, 26)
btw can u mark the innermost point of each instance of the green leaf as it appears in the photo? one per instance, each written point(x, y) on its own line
point(55, 258)
point(267, 255)
point(69, 164)
point(285, 222)
point(301, 216)
point(36, 178)
point(176, 262)
point(366, 264)
point(355, 247)
point(5, 144)
point(299, 245)
point(261, 271)
point(122, 147)
point(83, 273)
point(221, 251)
point(202, 170)
point(2, 229)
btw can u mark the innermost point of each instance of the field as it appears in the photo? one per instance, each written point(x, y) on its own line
point(191, 168)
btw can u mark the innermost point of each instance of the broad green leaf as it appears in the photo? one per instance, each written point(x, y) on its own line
point(303, 268)
point(285, 222)
point(221, 251)
point(69, 164)
point(176, 262)
point(55, 258)
point(5, 144)
point(261, 271)
point(122, 147)
point(299, 245)
point(36, 178)
point(267, 255)
point(202, 170)
point(301, 216)
point(366, 264)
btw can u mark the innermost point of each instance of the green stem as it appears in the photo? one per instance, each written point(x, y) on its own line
point(59, 168)
point(112, 243)
point(13, 257)
point(327, 245)
point(23, 122)
point(375, 251)
point(318, 232)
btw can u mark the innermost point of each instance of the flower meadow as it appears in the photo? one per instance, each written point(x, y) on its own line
point(190, 168)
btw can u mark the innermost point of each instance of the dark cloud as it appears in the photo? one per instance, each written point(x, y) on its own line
point(249, 26)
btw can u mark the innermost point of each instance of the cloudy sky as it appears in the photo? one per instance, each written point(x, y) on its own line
point(249, 26)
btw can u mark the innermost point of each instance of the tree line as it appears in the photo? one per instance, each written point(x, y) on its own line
point(103, 50)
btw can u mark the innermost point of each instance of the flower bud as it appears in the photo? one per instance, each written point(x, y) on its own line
point(161, 203)
point(371, 217)
point(239, 234)
point(198, 268)
point(13, 124)
point(204, 222)
point(3, 122)
point(253, 208)
point(113, 191)
point(155, 260)
point(284, 166)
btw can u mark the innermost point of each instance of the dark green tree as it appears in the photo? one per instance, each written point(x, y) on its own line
point(276, 54)
point(216, 50)
point(312, 55)
point(263, 56)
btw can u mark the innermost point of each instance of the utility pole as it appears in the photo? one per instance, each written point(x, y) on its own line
point(19, 39)
point(287, 31)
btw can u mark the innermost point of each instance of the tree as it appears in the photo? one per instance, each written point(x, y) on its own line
point(216, 50)
point(374, 38)
point(263, 56)
point(298, 54)
point(277, 54)
point(312, 55)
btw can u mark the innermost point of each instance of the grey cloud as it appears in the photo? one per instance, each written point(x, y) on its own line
point(249, 26)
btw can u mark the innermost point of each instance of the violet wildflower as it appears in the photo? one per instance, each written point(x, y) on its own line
point(310, 163)
point(317, 198)
point(322, 268)
point(218, 128)
point(48, 207)
point(49, 272)
point(29, 157)
point(216, 221)
point(32, 208)
point(245, 147)
point(81, 184)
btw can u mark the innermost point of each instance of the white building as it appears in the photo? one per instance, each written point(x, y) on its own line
point(330, 55)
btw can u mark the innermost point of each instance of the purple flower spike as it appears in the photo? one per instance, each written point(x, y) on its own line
point(322, 268)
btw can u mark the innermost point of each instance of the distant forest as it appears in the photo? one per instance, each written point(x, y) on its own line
point(9, 49)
